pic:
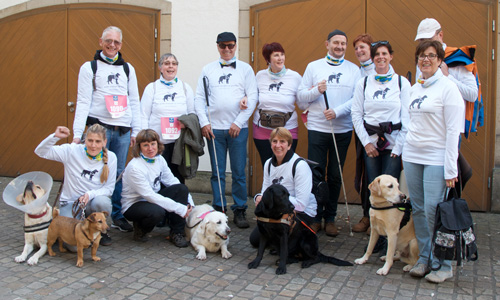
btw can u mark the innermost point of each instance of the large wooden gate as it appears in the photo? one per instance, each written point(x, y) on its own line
point(42, 51)
point(302, 26)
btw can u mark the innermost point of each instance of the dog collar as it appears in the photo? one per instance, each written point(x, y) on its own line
point(202, 216)
point(285, 219)
point(38, 216)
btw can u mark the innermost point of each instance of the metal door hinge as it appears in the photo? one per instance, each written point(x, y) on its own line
point(493, 25)
point(492, 54)
point(489, 182)
point(156, 33)
point(251, 170)
point(252, 56)
point(155, 57)
point(253, 30)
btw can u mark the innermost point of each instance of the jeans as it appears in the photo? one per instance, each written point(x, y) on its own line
point(237, 148)
point(321, 149)
point(147, 215)
point(382, 164)
point(119, 145)
point(265, 151)
point(98, 204)
point(426, 186)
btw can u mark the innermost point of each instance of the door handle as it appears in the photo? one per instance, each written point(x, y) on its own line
point(71, 106)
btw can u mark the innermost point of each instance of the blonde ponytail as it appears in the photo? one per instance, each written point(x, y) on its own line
point(105, 169)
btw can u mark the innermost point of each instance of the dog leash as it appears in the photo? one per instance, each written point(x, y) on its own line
point(304, 223)
point(202, 216)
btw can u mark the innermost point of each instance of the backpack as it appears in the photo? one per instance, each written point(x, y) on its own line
point(93, 65)
point(453, 237)
point(319, 185)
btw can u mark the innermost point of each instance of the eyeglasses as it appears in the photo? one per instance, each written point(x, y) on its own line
point(230, 46)
point(380, 43)
point(431, 56)
point(170, 63)
point(110, 41)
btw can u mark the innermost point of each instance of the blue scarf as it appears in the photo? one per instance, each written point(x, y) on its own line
point(228, 62)
point(147, 159)
point(169, 83)
point(98, 157)
point(109, 60)
point(431, 80)
point(276, 76)
point(334, 61)
point(384, 78)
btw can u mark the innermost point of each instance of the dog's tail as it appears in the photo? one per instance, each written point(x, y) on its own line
point(332, 260)
point(55, 212)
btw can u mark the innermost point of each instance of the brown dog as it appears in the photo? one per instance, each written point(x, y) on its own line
point(82, 234)
point(385, 219)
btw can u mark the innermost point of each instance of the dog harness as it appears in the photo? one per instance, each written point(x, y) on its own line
point(90, 240)
point(39, 226)
point(404, 206)
point(201, 217)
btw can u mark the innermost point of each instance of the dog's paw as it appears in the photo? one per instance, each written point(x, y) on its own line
point(383, 258)
point(79, 263)
point(226, 254)
point(360, 261)
point(407, 268)
point(307, 263)
point(51, 253)
point(201, 256)
point(95, 258)
point(33, 260)
point(20, 258)
point(253, 265)
point(281, 271)
point(383, 271)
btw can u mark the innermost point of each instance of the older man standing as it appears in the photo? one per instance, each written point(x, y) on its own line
point(336, 77)
point(228, 81)
point(108, 95)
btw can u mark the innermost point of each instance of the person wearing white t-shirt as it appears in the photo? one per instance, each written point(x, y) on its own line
point(277, 87)
point(108, 95)
point(430, 150)
point(162, 102)
point(336, 77)
point(89, 170)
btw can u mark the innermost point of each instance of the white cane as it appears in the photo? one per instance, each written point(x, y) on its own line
point(205, 86)
point(340, 168)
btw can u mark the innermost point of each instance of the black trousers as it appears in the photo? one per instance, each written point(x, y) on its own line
point(167, 154)
point(147, 214)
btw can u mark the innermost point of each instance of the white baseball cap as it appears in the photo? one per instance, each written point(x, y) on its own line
point(427, 28)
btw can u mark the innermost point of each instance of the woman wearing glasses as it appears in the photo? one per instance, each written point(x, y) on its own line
point(431, 150)
point(277, 96)
point(162, 103)
point(380, 116)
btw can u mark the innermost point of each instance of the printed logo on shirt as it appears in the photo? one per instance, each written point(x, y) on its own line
point(334, 76)
point(88, 173)
point(157, 180)
point(417, 102)
point(275, 85)
point(380, 93)
point(225, 78)
point(171, 96)
point(113, 77)
point(278, 180)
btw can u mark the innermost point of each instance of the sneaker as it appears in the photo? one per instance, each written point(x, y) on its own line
point(179, 240)
point(239, 218)
point(419, 270)
point(316, 227)
point(122, 225)
point(439, 276)
point(331, 229)
point(139, 235)
point(362, 226)
point(105, 240)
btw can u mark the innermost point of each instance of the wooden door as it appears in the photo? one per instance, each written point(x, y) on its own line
point(302, 28)
point(42, 52)
point(463, 23)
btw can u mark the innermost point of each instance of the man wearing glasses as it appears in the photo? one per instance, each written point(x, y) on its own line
point(108, 95)
point(336, 77)
point(225, 122)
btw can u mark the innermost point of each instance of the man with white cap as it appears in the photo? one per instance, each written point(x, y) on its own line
point(336, 77)
point(466, 82)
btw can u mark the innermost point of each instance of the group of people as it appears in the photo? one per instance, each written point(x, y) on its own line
point(395, 124)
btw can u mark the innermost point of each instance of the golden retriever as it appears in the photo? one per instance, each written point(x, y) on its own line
point(35, 225)
point(385, 219)
point(207, 230)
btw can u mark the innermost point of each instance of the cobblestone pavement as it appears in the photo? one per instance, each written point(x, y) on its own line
point(158, 270)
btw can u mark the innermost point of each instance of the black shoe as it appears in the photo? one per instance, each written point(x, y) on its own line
point(122, 225)
point(179, 240)
point(105, 240)
point(380, 246)
point(139, 235)
point(219, 208)
point(239, 218)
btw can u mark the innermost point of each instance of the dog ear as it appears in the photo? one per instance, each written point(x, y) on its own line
point(374, 187)
point(91, 218)
point(105, 213)
point(20, 199)
point(203, 226)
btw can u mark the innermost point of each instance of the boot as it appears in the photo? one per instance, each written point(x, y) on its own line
point(362, 226)
point(239, 218)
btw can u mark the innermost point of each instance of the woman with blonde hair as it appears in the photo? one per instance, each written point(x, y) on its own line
point(86, 171)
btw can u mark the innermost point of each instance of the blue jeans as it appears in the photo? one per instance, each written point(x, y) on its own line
point(98, 204)
point(119, 145)
point(237, 148)
point(382, 164)
point(321, 149)
point(426, 186)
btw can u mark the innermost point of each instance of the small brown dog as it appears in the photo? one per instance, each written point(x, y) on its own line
point(82, 234)
point(385, 219)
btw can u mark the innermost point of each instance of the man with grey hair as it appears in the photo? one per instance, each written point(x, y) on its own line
point(108, 95)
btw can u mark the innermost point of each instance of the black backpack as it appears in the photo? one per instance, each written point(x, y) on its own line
point(93, 66)
point(453, 237)
point(319, 185)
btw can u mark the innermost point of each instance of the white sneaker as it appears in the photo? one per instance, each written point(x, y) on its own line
point(439, 276)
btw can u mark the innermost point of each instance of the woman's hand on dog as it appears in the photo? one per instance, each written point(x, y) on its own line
point(257, 200)
point(62, 132)
point(189, 210)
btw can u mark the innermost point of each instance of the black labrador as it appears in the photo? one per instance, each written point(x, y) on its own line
point(298, 244)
